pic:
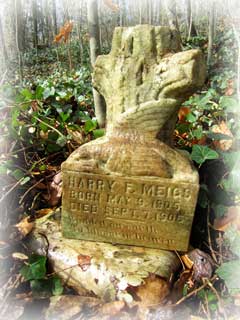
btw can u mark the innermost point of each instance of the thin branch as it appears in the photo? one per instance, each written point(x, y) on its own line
point(10, 190)
point(209, 237)
point(190, 294)
point(28, 190)
point(49, 126)
point(221, 307)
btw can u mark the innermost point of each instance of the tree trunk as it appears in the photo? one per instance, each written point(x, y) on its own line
point(3, 46)
point(66, 10)
point(211, 32)
point(93, 26)
point(54, 15)
point(123, 13)
point(158, 13)
point(191, 30)
point(170, 6)
point(18, 26)
point(7, 14)
point(41, 27)
point(140, 12)
point(48, 23)
point(79, 31)
point(150, 12)
point(35, 23)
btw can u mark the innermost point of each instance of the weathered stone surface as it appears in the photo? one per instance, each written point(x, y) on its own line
point(144, 80)
point(101, 269)
point(145, 211)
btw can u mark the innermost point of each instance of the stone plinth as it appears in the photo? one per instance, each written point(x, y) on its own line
point(132, 186)
point(101, 269)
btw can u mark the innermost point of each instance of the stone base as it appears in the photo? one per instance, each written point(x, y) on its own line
point(100, 269)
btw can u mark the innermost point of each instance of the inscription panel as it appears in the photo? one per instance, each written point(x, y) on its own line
point(152, 212)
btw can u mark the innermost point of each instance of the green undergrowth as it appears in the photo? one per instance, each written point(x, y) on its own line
point(209, 129)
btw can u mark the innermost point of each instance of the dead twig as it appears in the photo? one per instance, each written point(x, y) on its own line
point(209, 237)
point(207, 312)
point(221, 307)
point(179, 257)
point(190, 294)
point(29, 189)
point(11, 189)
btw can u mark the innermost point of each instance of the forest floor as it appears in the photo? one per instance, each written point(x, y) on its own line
point(48, 115)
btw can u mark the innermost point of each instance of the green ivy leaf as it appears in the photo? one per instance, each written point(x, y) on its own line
point(231, 183)
point(229, 103)
point(25, 180)
point(232, 236)
point(42, 167)
point(61, 141)
point(185, 290)
point(48, 92)
point(229, 272)
point(64, 116)
point(39, 93)
point(43, 127)
point(90, 125)
point(41, 288)
point(57, 288)
point(84, 116)
point(27, 94)
point(218, 136)
point(202, 153)
point(231, 159)
point(97, 133)
point(18, 174)
point(36, 268)
point(198, 133)
point(15, 115)
point(190, 118)
point(51, 148)
point(219, 210)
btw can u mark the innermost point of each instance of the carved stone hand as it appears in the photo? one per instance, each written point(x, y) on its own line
point(144, 80)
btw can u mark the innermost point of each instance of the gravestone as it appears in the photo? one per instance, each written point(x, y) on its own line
point(132, 186)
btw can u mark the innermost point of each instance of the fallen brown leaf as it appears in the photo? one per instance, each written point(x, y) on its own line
point(230, 89)
point(43, 212)
point(187, 261)
point(177, 291)
point(25, 226)
point(222, 128)
point(153, 292)
point(229, 92)
point(41, 186)
point(55, 190)
point(232, 217)
point(182, 113)
point(84, 261)
point(77, 136)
